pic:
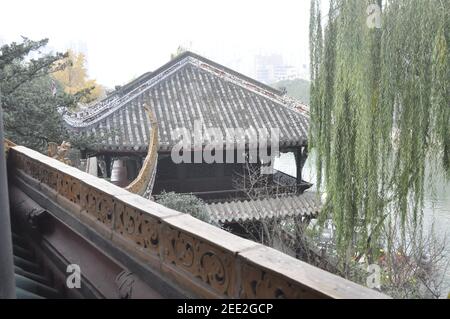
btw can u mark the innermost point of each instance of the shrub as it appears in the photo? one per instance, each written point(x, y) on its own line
point(185, 203)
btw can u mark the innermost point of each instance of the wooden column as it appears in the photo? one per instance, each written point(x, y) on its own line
point(108, 165)
point(301, 154)
point(182, 175)
point(83, 154)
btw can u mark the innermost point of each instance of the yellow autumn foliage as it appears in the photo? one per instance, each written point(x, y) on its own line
point(74, 77)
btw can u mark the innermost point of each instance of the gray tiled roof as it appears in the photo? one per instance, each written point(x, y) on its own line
point(306, 204)
point(186, 89)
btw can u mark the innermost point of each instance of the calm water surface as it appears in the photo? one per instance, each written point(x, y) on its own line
point(437, 202)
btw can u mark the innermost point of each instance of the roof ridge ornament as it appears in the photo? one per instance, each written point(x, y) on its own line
point(59, 152)
point(143, 183)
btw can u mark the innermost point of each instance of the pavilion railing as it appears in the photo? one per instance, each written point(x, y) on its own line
point(202, 259)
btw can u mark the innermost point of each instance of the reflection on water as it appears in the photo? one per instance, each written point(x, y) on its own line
point(286, 164)
point(436, 201)
point(437, 211)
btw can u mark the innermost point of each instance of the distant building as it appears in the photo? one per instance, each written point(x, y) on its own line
point(286, 72)
point(272, 68)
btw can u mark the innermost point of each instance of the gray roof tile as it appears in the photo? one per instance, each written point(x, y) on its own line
point(186, 89)
point(306, 204)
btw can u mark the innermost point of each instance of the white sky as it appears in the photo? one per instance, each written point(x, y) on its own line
point(125, 38)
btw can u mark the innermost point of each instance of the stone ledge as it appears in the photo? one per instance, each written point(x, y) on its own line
point(222, 264)
point(318, 281)
point(147, 206)
point(209, 233)
point(123, 253)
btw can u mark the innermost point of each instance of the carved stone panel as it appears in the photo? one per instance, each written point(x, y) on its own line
point(198, 259)
point(97, 204)
point(138, 227)
point(256, 283)
point(49, 177)
point(31, 167)
point(39, 171)
point(69, 187)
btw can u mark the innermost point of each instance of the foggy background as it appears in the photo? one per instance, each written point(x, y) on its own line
point(266, 40)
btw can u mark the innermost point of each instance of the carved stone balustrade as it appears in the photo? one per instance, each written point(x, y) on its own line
point(201, 259)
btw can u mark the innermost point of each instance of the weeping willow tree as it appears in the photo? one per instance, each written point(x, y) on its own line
point(380, 109)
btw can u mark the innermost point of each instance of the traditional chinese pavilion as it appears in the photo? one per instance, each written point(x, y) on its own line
point(132, 130)
point(69, 234)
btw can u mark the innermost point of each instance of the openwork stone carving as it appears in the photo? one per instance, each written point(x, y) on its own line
point(69, 187)
point(260, 284)
point(139, 227)
point(212, 265)
point(98, 204)
point(39, 171)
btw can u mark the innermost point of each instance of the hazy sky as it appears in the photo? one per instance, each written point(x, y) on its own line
point(126, 38)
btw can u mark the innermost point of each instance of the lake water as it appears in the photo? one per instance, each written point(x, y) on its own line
point(437, 202)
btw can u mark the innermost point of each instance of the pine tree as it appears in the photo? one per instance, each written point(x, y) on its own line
point(28, 100)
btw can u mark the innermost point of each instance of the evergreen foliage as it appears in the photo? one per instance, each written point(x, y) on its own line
point(185, 203)
point(297, 89)
point(30, 98)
